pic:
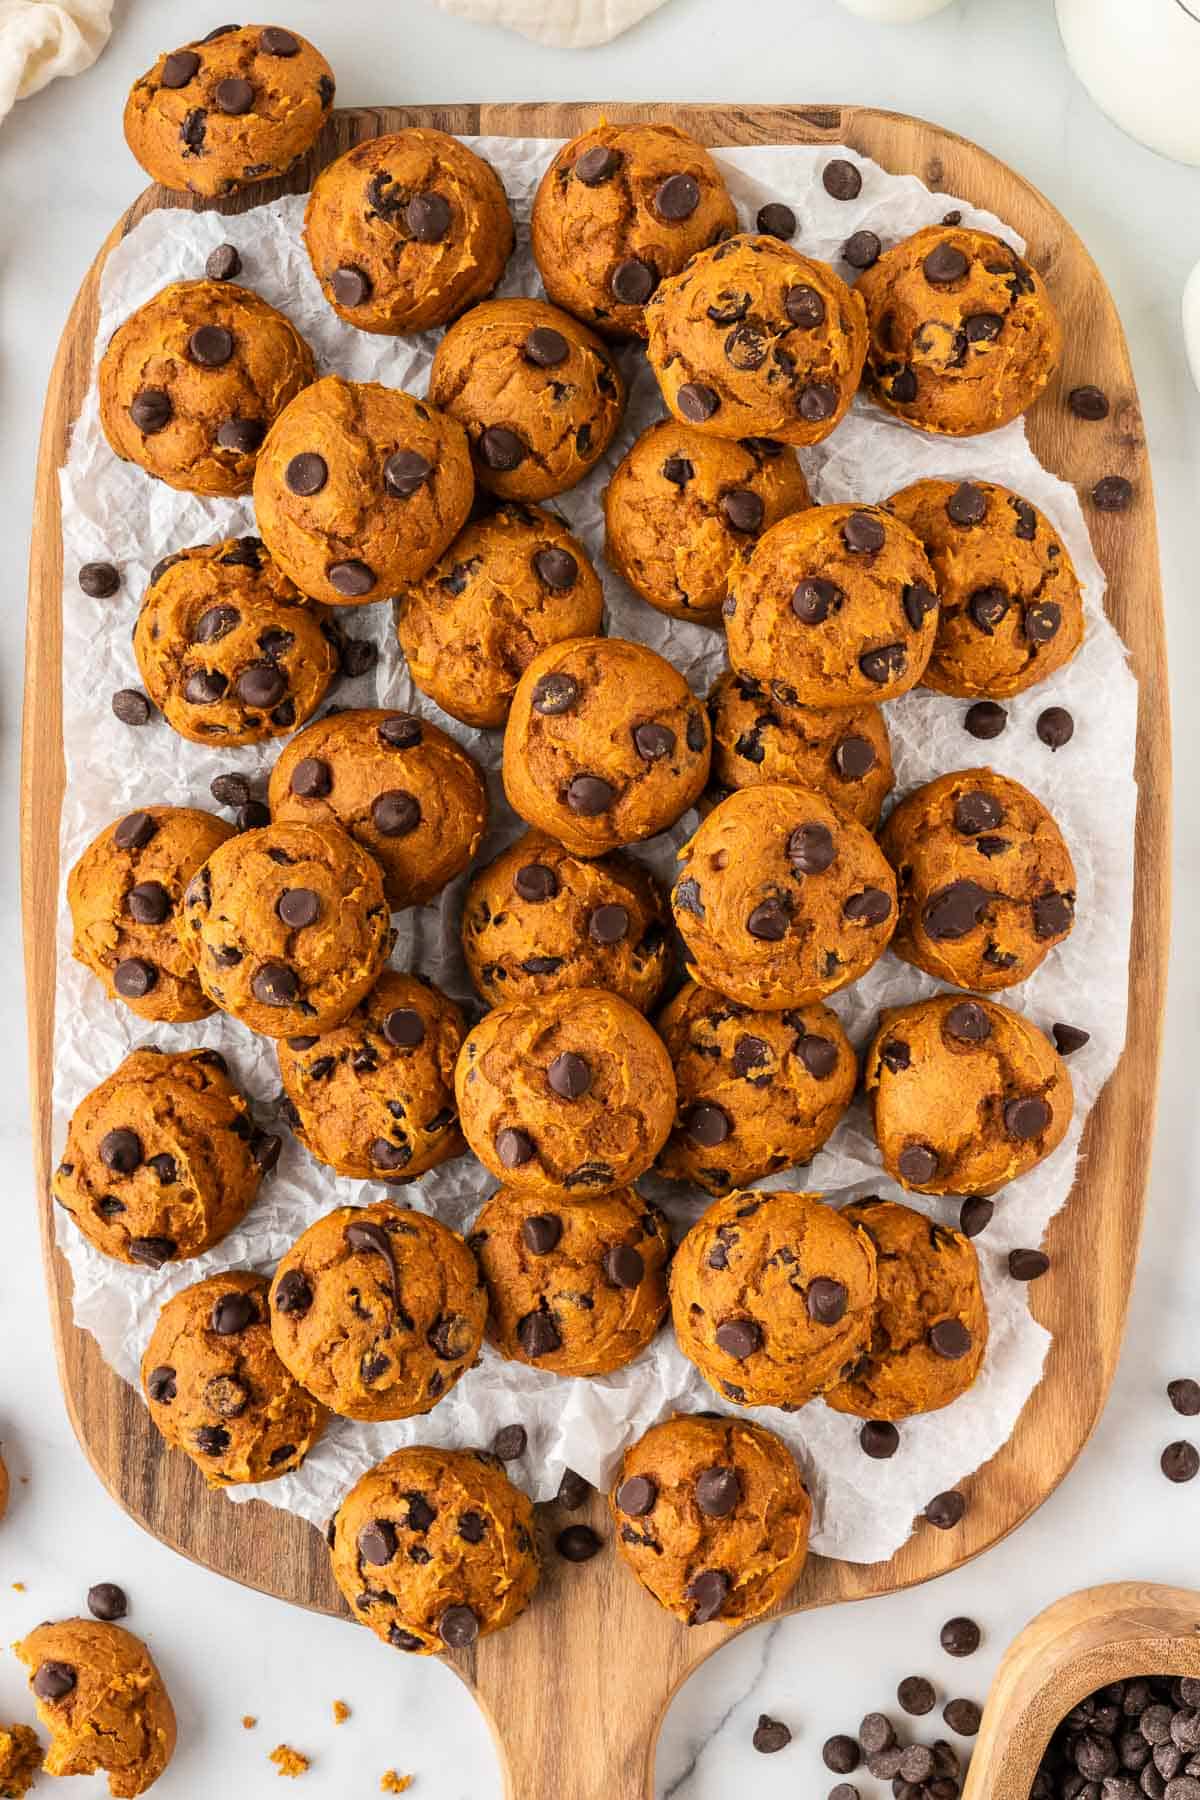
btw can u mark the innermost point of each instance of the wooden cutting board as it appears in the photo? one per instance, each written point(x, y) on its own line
point(576, 1689)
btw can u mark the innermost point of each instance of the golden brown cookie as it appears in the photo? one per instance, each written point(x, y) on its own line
point(605, 744)
point(360, 488)
point(572, 1093)
point(965, 1095)
point(580, 1289)
point(230, 109)
point(216, 1389)
point(287, 927)
point(230, 652)
point(192, 381)
point(375, 1098)
point(406, 231)
point(401, 787)
point(124, 893)
point(20, 1760)
point(712, 1517)
point(985, 881)
point(755, 340)
point(1011, 608)
point(839, 604)
point(930, 1330)
point(539, 919)
point(758, 1092)
point(684, 508)
point(434, 1549)
point(163, 1158)
point(103, 1702)
point(510, 583)
point(773, 1296)
point(538, 394)
point(761, 735)
point(963, 335)
point(619, 208)
point(782, 898)
point(378, 1310)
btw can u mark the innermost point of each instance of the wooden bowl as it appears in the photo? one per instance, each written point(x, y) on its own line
point(1079, 1644)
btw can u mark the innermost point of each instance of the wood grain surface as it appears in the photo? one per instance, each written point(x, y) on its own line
point(576, 1689)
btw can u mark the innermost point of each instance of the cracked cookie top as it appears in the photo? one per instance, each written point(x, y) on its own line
point(762, 734)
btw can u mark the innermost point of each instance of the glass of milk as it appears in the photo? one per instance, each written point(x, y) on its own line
point(1140, 62)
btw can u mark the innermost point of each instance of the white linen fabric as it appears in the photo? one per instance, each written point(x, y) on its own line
point(40, 39)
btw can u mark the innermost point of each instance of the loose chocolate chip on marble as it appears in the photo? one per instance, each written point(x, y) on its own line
point(967, 505)
point(776, 220)
point(917, 1163)
point(697, 402)
point(1089, 403)
point(707, 1124)
point(1055, 727)
point(768, 922)
point(458, 1627)
point(352, 579)
point(541, 1233)
point(121, 1151)
point(879, 1439)
point(916, 1695)
point(962, 1716)
point(298, 908)
point(589, 795)
point(253, 816)
point(916, 1765)
point(596, 165)
point(148, 902)
point(863, 534)
point(841, 1753)
point(132, 707)
point(578, 1543)
point(1184, 1396)
point(985, 719)
point(538, 1335)
point(871, 907)
point(826, 1300)
point(623, 1266)
point(1027, 1265)
point(975, 1215)
point(395, 813)
point(556, 569)
point(944, 264)
point(804, 306)
point(107, 1601)
point(509, 1442)
point(274, 984)
point(814, 599)
point(569, 1076)
point(960, 1637)
point(428, 217)
point(1026, 1117)
point(817, 401)
point(811, 849)
point(677, 198)
point(861, 250)
point(99, 580)
point(744, 510)
point(501, 449)
point(652, 742)
point(876, 1733)
point(351, 286)
point(54, 1681)
point(883, 664)
point(841, 180)
point(770, 1735)
point(968, 1023)
point(950, 1339)
point(307, 473)
point(234, 96)
point(707, 1594)
point(513, 1147)
point(739, 1338)
point(1112, 493)
point(179, 68)
point(232, 1313)
point(134, 977)
point(573, 1491)
point(1180, 1461)
point(946, 1510)
point(554, 694)
point(609, 924)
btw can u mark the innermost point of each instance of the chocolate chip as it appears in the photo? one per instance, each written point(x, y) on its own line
point(274, 41)
point(609, 924)
point(306, 473)
point(985, 719)
point(804, 306)
point(917, 1163)
point(875, 1734)
point(814, 599)
point(879, 1439)
point(818, 1054)
point(697, 402)
point(538, 1335)
point(1184, 1396)
point(573, 1491)
point(513, 1147)
point(968, 1023)
point(841, 180)
point(1180, 1461)
point(350, 286)
point(557, 569)
point(298, 908)
point(395, 813)
point(707, 1592)
point(967, 505)
point(99, 580)
point(148, 902)
point(983, 328)
point(1041, 621)
point(132, 707)
point(811, 849)
point(633, 281)
point(770, 1735)
point(776, 220)
point(744, 510)
point(677, 198)
point(904, 387)
point(211, 346)
point(1053, 914)
point(352, 579)
point(707, 1124)
point(1027, 1265)
point(750, 1053)
point(861, 250)
point(826, 1300)
point(541, 1233)
point(54, 1681)
point(953, 912)
point(854, 757)
point(152, 1252)
point(960, 1637)
point(577, 1543)
point(311, 778)
point(151, 410)
point(1112, 493)
point(623, 1266)
point(179, 68)
point(841, 1754)
point(261, 686)
point(403, 1028)
point(596, 165)
point(768, 922)
point(636, 1497)
point(121, 1151)
point(545, 348)
point(975, 1215)
point(569, 1076)
point(205, 687)
point(1026, 1118)
point(884, 664)
point(134, 977)
point(243, 436)
point(589, 795)
point(428, 217)
point(950, 1339)
point(916, 1765)
point(863, 533)
point(232, 1313)
point(963, 1717)
point(165, 1168)
point(944, 264)
point(234, 96)
point(274, 984)
point(817, 401)
point(986, 607)
point(678, 471)
point(107, 1601)
point(946, 1510)
point(871, 907)
point(896, 1056)
point(1055, 727)
point(554, 694)
point(501, 449)
point(976, 812)
point(192, 131)
point(458, 1627)
point(916, 1696)
point(653, 742)
point(739, 1338)
point(918, 601)
point(687, 897)
point(1089, 403)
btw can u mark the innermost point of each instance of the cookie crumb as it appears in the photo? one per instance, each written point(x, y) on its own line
point(21, 1758)
point(289, 1762)
point(391, 1783)
point(341, 1712)
point(18, 1587)
point(248, 1721)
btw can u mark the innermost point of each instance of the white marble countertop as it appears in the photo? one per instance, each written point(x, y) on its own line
point(993, 70)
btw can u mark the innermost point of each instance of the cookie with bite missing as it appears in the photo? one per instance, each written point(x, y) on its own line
point(103, 1702)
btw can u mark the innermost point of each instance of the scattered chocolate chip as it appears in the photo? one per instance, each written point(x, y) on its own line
point(946, 1510)
point(1089, 403)
point(1069, 1038)
point(975, 1215)
point(879, 1439)
point(1180, 1461)
point(578, 1543)
point(573, 1491)
point(107, 1601)
point(1027, 1265)
point(99, 580)
point(776, 220)
point(510, 1442)
point(132, 707)
point(963, 1717)
point(841, 180)
point(916, 1695)
point(960, 1637)
point(770, 1735)
point(253, 816)
point(1112, 493)
point(985, 719)
point(876, 1733)
point(1184, 1396)
point(841, 1754)
point(1055, 727)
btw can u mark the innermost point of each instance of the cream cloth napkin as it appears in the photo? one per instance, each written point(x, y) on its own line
point(564, 24)
point(40, 39)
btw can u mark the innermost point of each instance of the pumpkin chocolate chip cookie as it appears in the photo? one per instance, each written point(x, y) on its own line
point(712, 1517)
point(930, 1329)
point(230, 109)
point(580, 1289)
point(758, 1092)
point(103, 1702)
point(434, 1549)
point(124, 893)
point(963, 335)
point(287, 927)
point(191, 382)
point(1011, 608)
point(162, 1159)
point(406, 231)
point(569, 1093)
point(754, 340)
point(837, 603)
point(20, 1760)
point(683, 508)
point(360, 488)
point(965, 1095)
point(403, 789)
point(538, 393)
point(605, 744)
point(216, 1389)
point(374, 1098)
point(377, 1311)
point(761, 734)
point(510, 583)
point(773, 1296)
point(230, 651)
point(985, 881)
point(620, 208)
point(782, 898)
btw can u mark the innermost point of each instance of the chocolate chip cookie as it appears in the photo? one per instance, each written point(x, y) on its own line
point(229, 650)
point(963, 335)
point(406, 231)
point(20, 1760)
point(374, 1098)
point(761, 734)
point(162, 1159)
point(103, 1702)
point(434, 1549)
point(216, 1389)
point(193, 380)
point(712, 1517)
point(360, 488)
point(571, 1093)
point(782, 898)
point(124, 894)
point(403, 789)
point(985, 881)
point(605, 744)
point(839, 604)
point(510, 583)
point(539, 919)
point(287, 927)
point(773, 1297)
point(755, 340)
point(1011, 608)
point(579, 1289)
point(619, 208)
point(684, 508)
point(377, 1311)
point(965, 1095)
